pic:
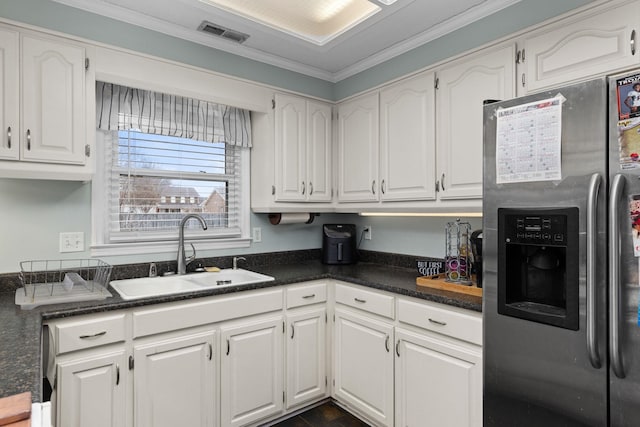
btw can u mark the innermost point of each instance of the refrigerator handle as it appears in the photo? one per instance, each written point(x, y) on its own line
point(617, 187)
point(592, 233)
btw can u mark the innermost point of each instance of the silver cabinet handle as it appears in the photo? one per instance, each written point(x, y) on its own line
point(632, 42)
point(99, 334)
point(310, 188)
point(592, 232)
point(617, 186)
point(373, 187)
point(398, 348)
point(210, 351)
point(9, 137)
point(386, 343)
point(309, 296)
point(228, 347)
point(117, 374)
point(523, 79)
point(29, 139)
point(382, 185)
point(293, 331)
point(437, 322)
point(442, 182)
point(273, 190)
point(304, 188)
point(362, 301)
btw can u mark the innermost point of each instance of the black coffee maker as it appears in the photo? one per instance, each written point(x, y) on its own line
point(476, 250)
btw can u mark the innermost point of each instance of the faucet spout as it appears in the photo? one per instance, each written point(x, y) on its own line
point(183, 261)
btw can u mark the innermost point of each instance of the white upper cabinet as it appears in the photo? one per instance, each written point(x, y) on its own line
point(407, 140)
point(53, 108)
point(358, 136)
point(9, 94)
point(386, 144)
point(302, 150)
point(593, 43)
point(463, 86)
point(43, 107)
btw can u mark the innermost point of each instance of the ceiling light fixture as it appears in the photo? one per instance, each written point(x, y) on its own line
point(316, 21)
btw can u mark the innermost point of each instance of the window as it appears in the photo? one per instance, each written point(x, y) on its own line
point(165, 157)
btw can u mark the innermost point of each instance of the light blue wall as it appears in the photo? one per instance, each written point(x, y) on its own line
point(35, 212)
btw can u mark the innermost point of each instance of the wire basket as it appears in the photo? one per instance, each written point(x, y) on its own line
point(59, 281)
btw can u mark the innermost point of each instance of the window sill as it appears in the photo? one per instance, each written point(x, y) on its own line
point(165, 247)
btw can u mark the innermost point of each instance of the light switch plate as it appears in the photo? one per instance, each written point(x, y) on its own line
point(72, 241)
point(257, 234)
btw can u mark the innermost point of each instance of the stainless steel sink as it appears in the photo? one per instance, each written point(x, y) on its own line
point(157, 286)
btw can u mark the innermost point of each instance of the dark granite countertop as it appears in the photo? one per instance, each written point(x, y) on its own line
point(20, 330)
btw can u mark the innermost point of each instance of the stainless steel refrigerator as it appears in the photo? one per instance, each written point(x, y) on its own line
point(561, 274)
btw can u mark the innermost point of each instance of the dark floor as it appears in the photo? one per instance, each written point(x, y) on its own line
point(326, 415)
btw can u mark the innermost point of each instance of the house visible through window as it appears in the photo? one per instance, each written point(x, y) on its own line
point(170, 156)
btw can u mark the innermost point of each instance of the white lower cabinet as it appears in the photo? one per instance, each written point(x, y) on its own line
point(363, 365)
point(306, 356)
point(437, 383)
point(174, 380)
point(251, 379)
point(244, 359)
point(91, 390)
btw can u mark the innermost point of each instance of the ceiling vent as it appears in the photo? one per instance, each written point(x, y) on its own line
point(220, 31)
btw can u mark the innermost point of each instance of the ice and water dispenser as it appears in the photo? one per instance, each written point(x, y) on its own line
point(538, 265)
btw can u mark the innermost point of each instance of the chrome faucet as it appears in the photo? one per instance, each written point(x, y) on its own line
point(235, 261)
point(183, 261)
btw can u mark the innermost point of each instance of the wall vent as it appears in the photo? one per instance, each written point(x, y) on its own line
point(220, 31)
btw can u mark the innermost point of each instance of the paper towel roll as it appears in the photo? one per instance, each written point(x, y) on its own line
point(291, 218)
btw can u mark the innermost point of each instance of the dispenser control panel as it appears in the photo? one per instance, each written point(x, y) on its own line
point(549, 229)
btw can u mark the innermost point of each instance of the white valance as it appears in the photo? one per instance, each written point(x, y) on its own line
point(124, 108)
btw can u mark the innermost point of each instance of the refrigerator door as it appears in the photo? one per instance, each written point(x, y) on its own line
point(537, 374)
point(624, 331)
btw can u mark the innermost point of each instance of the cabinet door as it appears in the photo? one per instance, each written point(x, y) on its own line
point(363, 365)
point(437, 383)
point(9, 95)
point(462, 88)
point(91, 391)
point(53, 108)
point(358, 149)
point(174, 381)
point(251, 381)
point(290, 155)
point(319, 152)
point(600, 43)
point(407, 140)
point(306, 361)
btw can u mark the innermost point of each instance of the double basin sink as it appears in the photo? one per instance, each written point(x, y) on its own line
point(157, 286)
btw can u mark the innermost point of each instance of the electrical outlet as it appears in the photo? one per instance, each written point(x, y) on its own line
point(257, 234)
point(367, 232)
point(72, 241)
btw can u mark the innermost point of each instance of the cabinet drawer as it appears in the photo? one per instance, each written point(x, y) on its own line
point(306, 294)
point(372, 302)
point(198, 312)
point(87, 332)
point(446, 321)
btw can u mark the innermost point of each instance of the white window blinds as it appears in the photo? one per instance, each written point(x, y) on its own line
point(166, 157)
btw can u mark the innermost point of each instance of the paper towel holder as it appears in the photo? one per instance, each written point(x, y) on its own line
point(292, 218)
